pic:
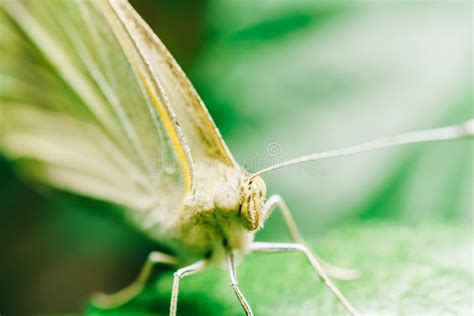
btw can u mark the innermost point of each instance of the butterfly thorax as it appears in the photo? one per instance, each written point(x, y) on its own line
point(223, 212)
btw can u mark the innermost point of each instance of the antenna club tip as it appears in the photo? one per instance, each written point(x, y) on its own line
point(469, 128)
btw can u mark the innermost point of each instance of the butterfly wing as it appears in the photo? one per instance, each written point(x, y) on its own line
point(81, 109)
point(201, 134)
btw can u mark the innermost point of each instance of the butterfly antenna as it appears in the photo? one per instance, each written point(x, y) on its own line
point(464, 130)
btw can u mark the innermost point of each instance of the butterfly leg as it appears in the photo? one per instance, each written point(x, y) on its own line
point(235, 285)
point(275, 201)
point(264, 247)
point(110, 301)
point(178, 275)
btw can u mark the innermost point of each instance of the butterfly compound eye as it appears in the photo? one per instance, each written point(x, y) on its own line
point(253, 197)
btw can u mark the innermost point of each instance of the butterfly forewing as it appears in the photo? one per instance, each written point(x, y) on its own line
point(200, 132)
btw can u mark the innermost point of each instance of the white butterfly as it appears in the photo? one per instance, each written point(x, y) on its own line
point(93, 103)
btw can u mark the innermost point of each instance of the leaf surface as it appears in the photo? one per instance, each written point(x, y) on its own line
point(404, 271)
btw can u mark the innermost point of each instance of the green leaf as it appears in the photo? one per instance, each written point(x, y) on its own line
point(404, 271)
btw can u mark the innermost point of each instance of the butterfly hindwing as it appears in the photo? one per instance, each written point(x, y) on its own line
point(81, 106)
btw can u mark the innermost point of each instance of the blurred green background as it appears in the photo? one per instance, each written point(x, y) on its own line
point(283, 79)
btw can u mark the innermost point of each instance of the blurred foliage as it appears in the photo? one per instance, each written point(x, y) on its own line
point(408, 271)
point(298, 77)
point(316, 75)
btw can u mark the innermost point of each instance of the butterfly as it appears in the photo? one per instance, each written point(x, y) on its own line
point(119, 121)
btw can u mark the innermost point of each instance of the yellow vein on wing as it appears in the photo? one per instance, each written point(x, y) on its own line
point(152, 87)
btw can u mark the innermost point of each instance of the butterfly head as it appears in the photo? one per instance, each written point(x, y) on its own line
point(253, 198)
point(243, 198)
